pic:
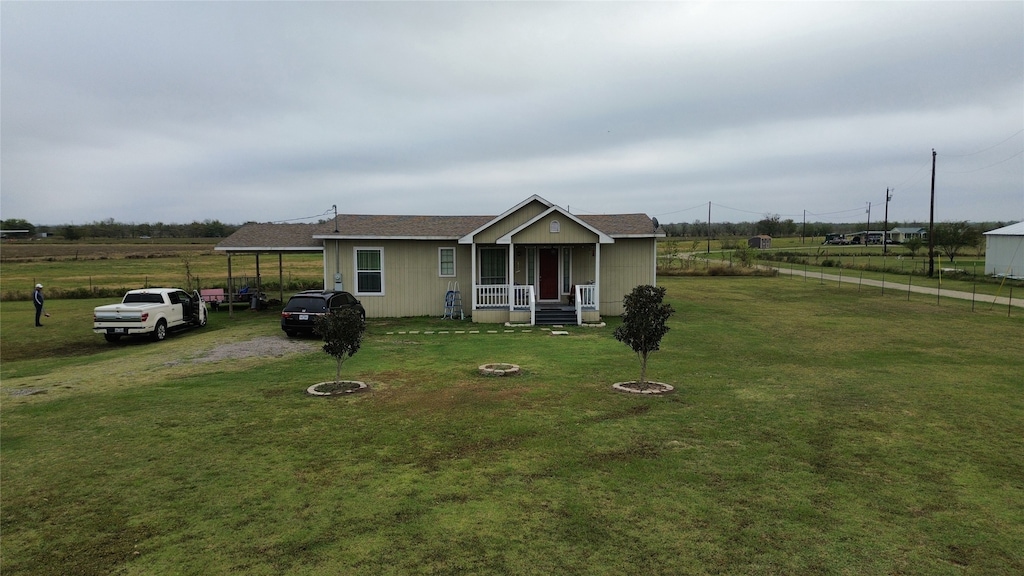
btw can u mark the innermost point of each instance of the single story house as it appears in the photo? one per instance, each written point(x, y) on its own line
point(533, 257)
point(901, 235)
point(762, 242)
point(1004, 251)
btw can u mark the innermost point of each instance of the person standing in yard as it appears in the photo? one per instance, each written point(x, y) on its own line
point(37, 299)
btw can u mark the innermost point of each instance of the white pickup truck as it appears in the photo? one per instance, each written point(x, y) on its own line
point(151, 311)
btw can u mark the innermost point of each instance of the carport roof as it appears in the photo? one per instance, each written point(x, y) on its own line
point(266, 237)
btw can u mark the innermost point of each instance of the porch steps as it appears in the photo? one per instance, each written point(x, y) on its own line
point(555, 316)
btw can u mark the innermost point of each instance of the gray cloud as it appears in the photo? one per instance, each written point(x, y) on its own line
point(268, 111)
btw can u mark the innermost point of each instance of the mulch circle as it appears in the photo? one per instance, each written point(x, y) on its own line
point(339, 388)
point(633, 387)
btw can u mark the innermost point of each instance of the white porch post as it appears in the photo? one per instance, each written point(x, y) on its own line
point(511, 273)
point(597, 276)
point(472, 280)
point(654, 271)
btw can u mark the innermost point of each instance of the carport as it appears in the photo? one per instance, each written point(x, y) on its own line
point(279, 239)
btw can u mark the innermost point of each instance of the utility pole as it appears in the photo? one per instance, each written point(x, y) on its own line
point(867, 233)
point(709, 227)
point(803, 234)
point(885, 231)
point(931, 225)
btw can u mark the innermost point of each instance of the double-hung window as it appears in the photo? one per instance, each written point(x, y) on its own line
point(446, 262)
point(369, 271)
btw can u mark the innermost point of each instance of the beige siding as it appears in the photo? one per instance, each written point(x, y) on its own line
point(519, 276)
point(519, 317)
point(412, 282)
point(583, 264)
point(510, 223)
point(413, 285)
point(569, 232)
point(492, 316)
point(624, 265)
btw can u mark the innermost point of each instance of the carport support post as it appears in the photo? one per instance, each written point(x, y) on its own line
point(231, 289)
point(280, 274)
point(259, 278)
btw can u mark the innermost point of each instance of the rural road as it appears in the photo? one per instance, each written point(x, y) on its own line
point(1017, 301)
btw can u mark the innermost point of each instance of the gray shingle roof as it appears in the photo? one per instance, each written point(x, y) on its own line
point(300, 237)
point(292, 237)
point(407, 226)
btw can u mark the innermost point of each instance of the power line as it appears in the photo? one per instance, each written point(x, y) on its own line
point(915, 176)
point(324, 213)
point(701, 205)
point(1012, 136)
point(859, 209)
point(985, 167)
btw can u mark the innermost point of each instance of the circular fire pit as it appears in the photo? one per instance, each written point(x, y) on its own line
point(339, 388)
point(499, 369)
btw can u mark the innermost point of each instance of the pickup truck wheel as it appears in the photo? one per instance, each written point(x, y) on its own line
point(160, 332)
point(290, 333)
point(111, 337)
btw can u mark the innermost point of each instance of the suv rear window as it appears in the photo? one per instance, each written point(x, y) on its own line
point(306, 304)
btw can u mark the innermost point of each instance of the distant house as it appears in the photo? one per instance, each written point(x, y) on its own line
point(533, 256)
point(901, 235)
point(761, 242)
point(1004, 251)
point(866, 237)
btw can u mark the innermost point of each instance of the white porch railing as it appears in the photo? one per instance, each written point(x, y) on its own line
point(511, 297)
point(586, 298)
point(524, 298)
point(492, 296)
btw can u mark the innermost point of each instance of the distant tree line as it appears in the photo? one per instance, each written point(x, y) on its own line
point(110, 228)
point(773, 225)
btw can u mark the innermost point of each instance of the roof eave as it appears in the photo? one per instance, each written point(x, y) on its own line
point(269, 248)
point(383, 237)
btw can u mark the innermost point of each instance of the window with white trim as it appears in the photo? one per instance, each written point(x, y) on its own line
point(446, 262)
point(369, 271)
point(493, 266)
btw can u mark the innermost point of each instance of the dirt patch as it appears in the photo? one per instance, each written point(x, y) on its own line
point(262, 346)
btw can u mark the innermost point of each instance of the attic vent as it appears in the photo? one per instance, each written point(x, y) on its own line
point(555, 227)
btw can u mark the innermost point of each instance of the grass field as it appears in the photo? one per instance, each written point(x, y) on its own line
point(813, 431)
point(66, 268)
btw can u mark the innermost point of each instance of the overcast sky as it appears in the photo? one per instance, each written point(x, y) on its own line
point(234, 111)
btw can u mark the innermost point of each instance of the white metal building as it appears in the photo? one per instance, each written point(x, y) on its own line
point(1004, 251)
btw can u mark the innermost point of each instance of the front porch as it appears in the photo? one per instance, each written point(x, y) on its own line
point(515, 304)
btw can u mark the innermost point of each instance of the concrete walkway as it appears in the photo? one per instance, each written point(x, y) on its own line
point(1018, 300)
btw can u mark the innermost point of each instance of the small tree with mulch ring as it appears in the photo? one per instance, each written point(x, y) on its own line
point(644, 323)
point(342, 332)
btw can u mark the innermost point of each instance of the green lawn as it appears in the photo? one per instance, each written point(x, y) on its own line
point(814, 430)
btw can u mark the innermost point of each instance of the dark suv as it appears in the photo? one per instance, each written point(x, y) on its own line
point(302, 309)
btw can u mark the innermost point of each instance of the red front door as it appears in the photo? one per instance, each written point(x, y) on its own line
point(548, 273)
